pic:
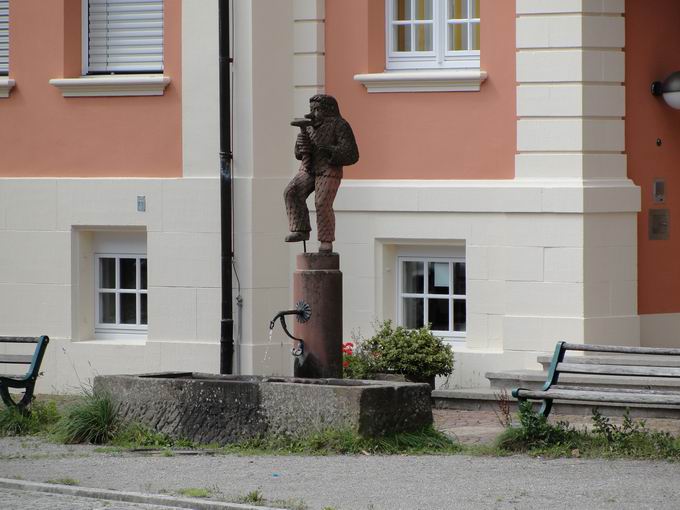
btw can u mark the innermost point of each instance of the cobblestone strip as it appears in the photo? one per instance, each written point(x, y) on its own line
point(20, 500)
point(65, 495)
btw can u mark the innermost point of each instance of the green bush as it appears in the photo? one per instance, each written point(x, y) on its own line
point(93, 420)
point(414, 353)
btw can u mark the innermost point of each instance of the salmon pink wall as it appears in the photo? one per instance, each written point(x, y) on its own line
point(43, 134)
point(431, 135)
point(652, 53)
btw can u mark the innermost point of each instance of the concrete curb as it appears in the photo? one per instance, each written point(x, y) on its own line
point(127, 497)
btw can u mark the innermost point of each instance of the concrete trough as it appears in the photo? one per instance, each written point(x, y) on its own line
point(223, 409)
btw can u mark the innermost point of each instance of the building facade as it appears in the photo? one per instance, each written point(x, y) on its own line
point(509, 155)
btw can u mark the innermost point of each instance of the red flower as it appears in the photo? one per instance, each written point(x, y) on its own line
point(345, 364)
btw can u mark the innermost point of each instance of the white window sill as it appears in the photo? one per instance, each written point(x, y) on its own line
point(115, 341)
point(112, 85)
point(440, 80)
point(6, 85)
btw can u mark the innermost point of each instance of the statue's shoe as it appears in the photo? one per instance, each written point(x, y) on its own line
point(325, 247)
point(296, 237)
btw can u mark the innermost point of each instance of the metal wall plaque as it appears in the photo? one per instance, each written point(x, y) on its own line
point(659, 191)
point(659, 224)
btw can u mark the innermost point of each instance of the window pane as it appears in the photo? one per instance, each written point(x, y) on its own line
point(458, 37)
point(142, 274)
point(142, 309)
point(107, 308)
point(474, 6)
point(424, 37)
point(438, 278)
point(402, 38)
point(459, 278)
point(412, 279)
point(458, 9)
point(438, 314)
point(423, 9)
point(413, 313)
point(107, 273)
point(474, 27)
point(128, 308)
point(402, 9)
point(128, 273)
point(459, 315)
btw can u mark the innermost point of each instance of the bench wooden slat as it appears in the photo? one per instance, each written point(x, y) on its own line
point(602, 396)
point(632, 360)
point(615, 390)
point(623, 370)
point(19, 339)
point(661, 351)
point(19, 359)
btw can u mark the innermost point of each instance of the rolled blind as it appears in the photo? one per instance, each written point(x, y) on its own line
point(4, 36)
point(125, 36)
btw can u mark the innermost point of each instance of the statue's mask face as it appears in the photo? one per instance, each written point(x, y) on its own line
point(316, 114)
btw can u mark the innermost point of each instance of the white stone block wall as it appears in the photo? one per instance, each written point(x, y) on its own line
point(309, 52)
point(42, 265)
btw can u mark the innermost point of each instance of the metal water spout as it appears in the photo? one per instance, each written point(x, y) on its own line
point(302, 312)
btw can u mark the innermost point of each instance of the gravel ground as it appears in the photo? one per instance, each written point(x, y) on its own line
point(363, 482)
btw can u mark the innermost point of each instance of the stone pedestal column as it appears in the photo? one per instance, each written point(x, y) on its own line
point(318, 282)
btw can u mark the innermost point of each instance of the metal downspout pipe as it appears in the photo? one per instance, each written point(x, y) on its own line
point(227, 321)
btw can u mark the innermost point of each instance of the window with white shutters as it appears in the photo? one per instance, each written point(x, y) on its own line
point(123, 36)
point(4, 37)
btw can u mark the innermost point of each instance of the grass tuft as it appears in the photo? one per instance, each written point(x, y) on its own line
point(134, 435)
point(94, 420)
point(64, 481)
point(253, 498)
point(195, 492)
point(39, 418)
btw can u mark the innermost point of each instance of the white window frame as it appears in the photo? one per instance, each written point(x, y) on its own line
point(86, 49)
point(426, 259)
point(108, 330)
point(440, 57)
point(6, 34)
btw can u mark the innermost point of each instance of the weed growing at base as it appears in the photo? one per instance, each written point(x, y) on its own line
point(257, 498)
point(64, 481)
point(631, 439)
point(39, 418)
point(343, 442)
point(253, 497)
point(195, 492)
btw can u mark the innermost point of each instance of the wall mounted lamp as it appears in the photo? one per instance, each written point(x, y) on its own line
point(669, 89)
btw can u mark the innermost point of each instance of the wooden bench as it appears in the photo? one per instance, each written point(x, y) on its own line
point(627, 364)
point(22, 381)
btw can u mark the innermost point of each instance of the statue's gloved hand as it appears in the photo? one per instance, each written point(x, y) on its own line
point(303, 144)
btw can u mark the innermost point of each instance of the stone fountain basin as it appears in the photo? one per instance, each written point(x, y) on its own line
point(222, 409)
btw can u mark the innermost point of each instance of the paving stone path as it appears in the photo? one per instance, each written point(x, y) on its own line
point(482, 427)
